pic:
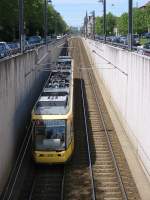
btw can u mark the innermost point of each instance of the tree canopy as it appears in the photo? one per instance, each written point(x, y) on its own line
point(99, 25)
point(33, 19)
point(141, 22)
point(122, 24)
point(110, 24)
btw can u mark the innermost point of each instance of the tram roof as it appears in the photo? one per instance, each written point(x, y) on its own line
point(54, 97)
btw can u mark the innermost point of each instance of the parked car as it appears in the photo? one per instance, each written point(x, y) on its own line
point(33, 40)
point(109, 38)
point(136, 39)
point(14, 46)
point(5, 50)
point(123, 39)
point(147, 35)
point(59, 37)
point(115, 39)
point(49, 38)
point(144, 49)
point(99, 37)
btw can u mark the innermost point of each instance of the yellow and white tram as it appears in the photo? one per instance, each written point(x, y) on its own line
point(52, 116)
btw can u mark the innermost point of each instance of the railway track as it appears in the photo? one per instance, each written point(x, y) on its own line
point(98, 169)
point(46, 184)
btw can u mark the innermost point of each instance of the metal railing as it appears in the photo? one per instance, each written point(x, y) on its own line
point(137, 49)
point(12, 52)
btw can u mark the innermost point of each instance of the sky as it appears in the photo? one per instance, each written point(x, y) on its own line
point(73, 11)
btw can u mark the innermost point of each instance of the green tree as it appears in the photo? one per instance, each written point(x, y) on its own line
point(99, 25)
point(33, 14)
point(8, 19)
point(56, 24)
point(122, 23)
point(110, 23)
point(139, 22)
point(33, 19)
point(147, 18)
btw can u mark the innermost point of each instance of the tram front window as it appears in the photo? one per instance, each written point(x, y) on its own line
point(50, 135)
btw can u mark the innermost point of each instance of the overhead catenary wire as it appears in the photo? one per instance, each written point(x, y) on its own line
point(116, 67)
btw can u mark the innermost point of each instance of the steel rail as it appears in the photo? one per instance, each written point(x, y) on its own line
point(123, 191)
point(62, 186)
point(34, 186)
point(87, 140)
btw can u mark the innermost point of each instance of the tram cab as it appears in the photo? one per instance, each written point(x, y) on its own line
point(53, 141)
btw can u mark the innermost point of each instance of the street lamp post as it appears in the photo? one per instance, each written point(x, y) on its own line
point(104, 20)
point(21, 25)
point(104, 17)
point(46, 19)
point(94, 25)
point(86, 23)
point(130, 25)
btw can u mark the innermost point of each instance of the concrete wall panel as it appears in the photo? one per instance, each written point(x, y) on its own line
point(126, 78)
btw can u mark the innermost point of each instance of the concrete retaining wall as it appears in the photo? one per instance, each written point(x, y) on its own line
point(125, 76)
point(20, 84)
